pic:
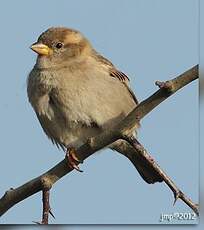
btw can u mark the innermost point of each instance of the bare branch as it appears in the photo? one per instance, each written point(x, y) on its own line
point(176, 191)
point(13, 196)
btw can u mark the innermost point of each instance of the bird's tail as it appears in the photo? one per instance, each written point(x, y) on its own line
point(147, 172)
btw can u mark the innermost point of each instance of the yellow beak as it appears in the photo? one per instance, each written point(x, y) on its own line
point(41, 49)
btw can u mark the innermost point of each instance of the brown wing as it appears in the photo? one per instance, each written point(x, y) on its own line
point(124, 79)
point(115, 73)
point(120, 75)
point(101, 59)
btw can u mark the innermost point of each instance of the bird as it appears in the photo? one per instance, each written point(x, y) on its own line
point(77, 93)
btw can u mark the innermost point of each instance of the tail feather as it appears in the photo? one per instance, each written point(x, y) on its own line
point(147, 172)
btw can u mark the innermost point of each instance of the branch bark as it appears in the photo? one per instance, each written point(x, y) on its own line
point(14, 196)
point(176, 191)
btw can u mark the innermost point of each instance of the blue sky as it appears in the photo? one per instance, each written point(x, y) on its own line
point(149, 41)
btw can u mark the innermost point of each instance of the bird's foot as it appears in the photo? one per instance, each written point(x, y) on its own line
point(73, 161)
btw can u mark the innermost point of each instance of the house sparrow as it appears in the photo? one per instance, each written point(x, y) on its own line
point(77, 93)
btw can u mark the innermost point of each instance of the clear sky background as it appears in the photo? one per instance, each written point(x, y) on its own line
point(149, 41)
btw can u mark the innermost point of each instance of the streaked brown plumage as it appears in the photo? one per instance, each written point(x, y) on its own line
point(76, 93)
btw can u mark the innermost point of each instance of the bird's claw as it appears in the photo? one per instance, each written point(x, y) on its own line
point(73, 161)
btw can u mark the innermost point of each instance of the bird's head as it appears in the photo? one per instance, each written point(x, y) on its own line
point(58, 45)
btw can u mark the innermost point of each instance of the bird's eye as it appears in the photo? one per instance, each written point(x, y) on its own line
point(59, 45)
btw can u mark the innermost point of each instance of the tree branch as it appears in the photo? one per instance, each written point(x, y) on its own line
point(176, 191)
point(13, 196)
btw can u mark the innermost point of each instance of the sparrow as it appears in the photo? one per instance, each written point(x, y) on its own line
point(76, 94)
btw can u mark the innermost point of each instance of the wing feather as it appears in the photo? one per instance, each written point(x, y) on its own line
point(123, 78)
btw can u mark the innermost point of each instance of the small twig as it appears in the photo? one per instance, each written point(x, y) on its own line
point(165, 85)
point(46, 186)
point(177, 192)
point(46, 205)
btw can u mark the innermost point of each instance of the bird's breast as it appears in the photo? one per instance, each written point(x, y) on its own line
point(39, 86)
